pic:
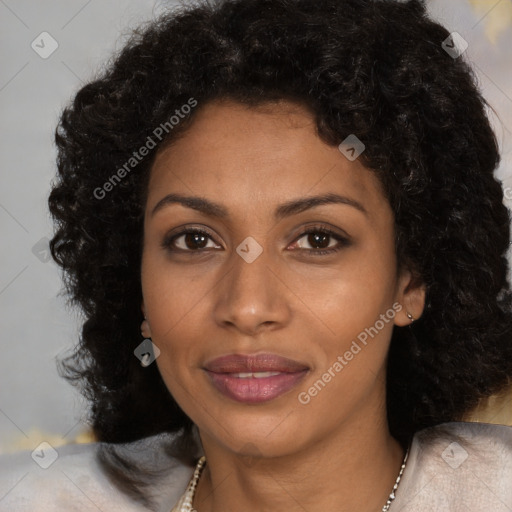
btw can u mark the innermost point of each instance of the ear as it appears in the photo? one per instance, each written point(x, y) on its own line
point(145, 329)
point(410, 294)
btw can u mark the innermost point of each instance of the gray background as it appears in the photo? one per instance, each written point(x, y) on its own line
point(35, 403)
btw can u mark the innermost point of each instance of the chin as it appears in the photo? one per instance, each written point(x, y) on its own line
point(266, 435)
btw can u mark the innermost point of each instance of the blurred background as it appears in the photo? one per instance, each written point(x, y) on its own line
point(48, 50)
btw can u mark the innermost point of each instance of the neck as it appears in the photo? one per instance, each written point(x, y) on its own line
point(354, 468)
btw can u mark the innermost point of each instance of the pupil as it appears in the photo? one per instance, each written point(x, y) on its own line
point(195, 240)
point(319, 239)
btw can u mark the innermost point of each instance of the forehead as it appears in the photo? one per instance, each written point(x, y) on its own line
point(268, 154)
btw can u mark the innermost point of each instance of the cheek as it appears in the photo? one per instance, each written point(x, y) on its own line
point(169, 303)
point(351, 296)
point(357, 318)
point(171, 294)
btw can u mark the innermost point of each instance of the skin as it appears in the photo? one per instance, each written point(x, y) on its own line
point(336, 452)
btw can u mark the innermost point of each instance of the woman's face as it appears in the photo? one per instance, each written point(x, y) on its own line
point(253, 281)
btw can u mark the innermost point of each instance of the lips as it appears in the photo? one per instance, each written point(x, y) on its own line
point(238, 363)
point(254, 378)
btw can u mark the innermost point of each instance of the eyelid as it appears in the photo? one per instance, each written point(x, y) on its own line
point(321, 227)
point(170, 238)
point(343, 239)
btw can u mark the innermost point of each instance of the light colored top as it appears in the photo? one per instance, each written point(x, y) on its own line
point(453, 467)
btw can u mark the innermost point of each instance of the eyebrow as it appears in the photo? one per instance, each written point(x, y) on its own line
point(287, 209)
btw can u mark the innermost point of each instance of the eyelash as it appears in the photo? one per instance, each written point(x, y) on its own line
point(343, 242)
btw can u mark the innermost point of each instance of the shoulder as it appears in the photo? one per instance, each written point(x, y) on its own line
point(71, 478)
point(458, 463)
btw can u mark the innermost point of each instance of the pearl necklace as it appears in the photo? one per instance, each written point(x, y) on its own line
point(185, 503)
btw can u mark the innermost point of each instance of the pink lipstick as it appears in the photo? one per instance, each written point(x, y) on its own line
point(254, 378)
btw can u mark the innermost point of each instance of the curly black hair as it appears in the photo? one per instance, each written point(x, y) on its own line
point(373, 68)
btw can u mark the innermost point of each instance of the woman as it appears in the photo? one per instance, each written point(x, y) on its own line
point(294, 202)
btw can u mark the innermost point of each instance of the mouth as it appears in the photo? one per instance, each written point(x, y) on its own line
point(254, 378)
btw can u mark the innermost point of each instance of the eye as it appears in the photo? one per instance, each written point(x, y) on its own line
point(316, 241)
point(320, 241)
point(189, 240)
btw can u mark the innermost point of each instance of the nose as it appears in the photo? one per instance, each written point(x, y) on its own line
point(251, 297)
